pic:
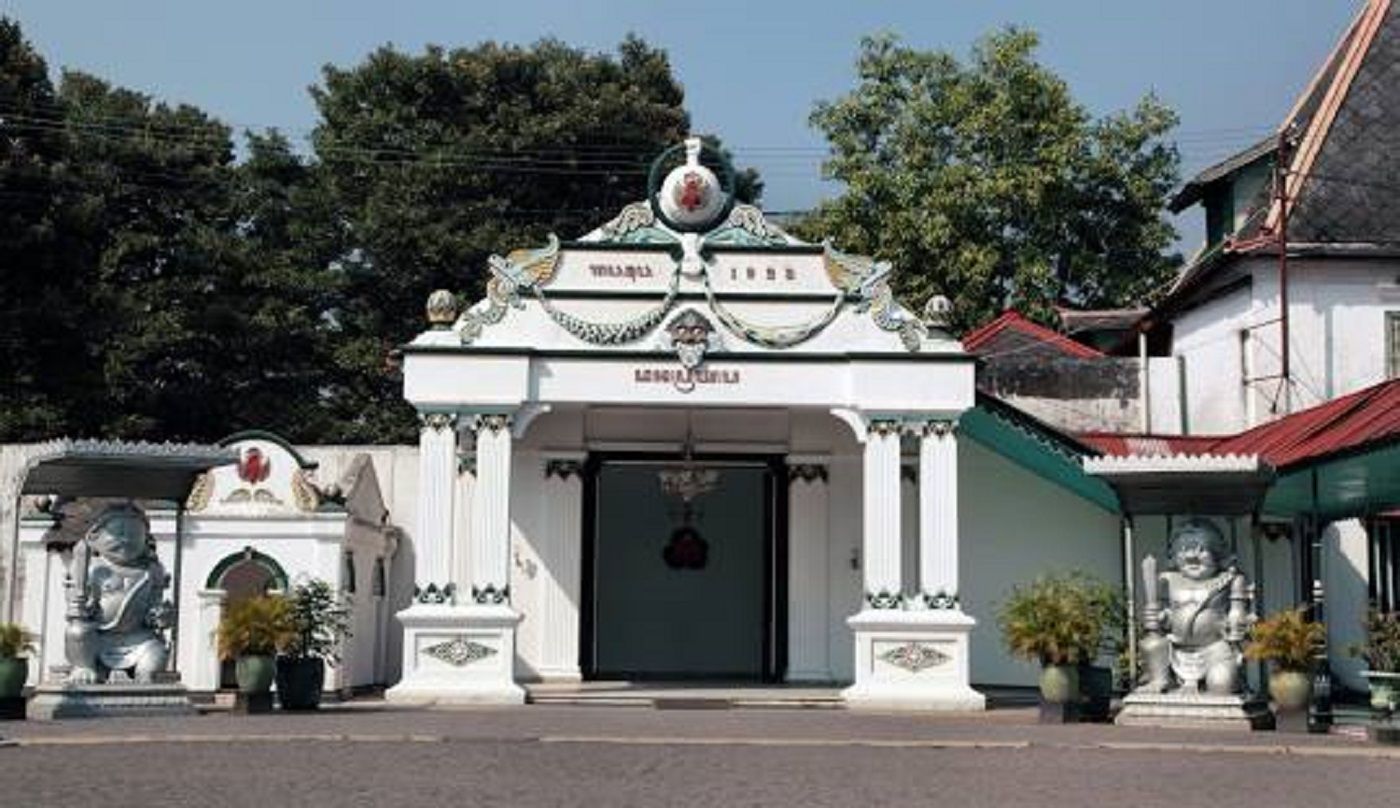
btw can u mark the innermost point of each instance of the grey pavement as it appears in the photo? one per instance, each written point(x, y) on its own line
point(611, 756)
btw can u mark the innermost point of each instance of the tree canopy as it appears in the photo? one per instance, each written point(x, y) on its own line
point(153, 286)
point(986, 181)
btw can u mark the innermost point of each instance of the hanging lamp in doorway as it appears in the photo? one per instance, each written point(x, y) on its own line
point(687, 549)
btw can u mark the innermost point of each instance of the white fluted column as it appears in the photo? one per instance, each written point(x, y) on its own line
point(489, 538)
point(938, 514)
point(459, 647)
point(914, 655)
point(437, 480)
point(808, 543)
point(881, 549)
point(561, 556)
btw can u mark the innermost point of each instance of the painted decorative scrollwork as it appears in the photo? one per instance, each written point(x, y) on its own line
point(884, 600)
point(770, 336)
point(866, 281)
point(807, 472)
point(563, 469)
point(636, 224)
point(747, 226)
point(438, 421)
point(941, 600)
point(520, 271)
point(436, 595)
point(491, 594)
point(617, 333)
point(915, 656)
point(460, 651)
point(490, 422)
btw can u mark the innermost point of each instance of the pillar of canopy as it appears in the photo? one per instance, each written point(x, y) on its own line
point(459, 641)
point(912, 649)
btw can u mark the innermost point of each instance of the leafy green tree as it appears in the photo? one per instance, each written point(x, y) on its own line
point(986, 181)
point(148, 212)
point(435, 161)
point(39, 326)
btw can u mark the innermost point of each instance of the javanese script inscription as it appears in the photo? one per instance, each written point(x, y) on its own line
point(629, 272)
point(682, 379)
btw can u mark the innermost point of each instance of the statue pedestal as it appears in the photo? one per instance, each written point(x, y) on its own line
point(912, 660)
point(458, 655)
point(1195, 711)
point(109, 700)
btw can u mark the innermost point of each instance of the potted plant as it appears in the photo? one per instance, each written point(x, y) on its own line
point(1061, 622)
point(250, 633)
point(320, 620)
point(1288, 640)
point(14, 666)
point(1381, 650)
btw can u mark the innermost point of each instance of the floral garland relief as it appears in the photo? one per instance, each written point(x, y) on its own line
point(859, 281)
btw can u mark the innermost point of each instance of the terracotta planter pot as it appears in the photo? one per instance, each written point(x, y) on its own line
point(299, 682)
point(1059, 684)
point(255, 673)
point(1290, 690)
point(1385, 691)
point(13, 673)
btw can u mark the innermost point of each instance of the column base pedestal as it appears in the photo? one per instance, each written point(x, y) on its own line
point(458, 655)
point(912, 661)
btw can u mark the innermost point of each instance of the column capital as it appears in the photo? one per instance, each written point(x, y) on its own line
point(884, 426)
point(807, 472)
point(437, 421)
point(492, 422)
point(933, 427)
point(563, 468)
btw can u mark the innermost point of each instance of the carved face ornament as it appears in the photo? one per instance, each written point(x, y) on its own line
point(690, 335)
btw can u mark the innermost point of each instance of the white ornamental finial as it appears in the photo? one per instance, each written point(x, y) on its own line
point(692, 151)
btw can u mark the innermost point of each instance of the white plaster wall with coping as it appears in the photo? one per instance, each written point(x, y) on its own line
point(1007, 537)
point(1207, 337)
point(1337, 319)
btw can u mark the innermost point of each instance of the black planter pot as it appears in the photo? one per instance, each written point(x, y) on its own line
point(1096, 692)
point(299, 682)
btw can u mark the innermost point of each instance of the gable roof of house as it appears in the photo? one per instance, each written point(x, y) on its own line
point(1013, 331)
point(1343, 173)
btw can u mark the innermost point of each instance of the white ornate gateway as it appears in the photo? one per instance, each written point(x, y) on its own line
point(687, 325)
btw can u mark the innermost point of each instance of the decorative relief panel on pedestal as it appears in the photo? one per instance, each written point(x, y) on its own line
point(915, 656)
point(460, 651)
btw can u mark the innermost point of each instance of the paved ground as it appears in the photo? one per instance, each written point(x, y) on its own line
point(537, 756)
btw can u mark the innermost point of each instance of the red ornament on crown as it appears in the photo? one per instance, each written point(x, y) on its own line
point(254, 466)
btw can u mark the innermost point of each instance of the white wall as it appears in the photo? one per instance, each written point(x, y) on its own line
point(1015, 526)
point(1337, 311)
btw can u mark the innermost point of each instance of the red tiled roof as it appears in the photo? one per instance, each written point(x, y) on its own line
point(1011, 320)
point(1368, 417)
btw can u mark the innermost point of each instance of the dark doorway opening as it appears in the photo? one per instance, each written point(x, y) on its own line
point(656, 606)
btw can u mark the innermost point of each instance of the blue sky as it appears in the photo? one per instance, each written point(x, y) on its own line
point(751, 70)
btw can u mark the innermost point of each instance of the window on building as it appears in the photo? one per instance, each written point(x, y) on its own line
point(1392, 344)
point(349, 575)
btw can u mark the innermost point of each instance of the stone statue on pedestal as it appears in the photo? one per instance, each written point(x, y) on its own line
point(115, 610)
point(1193, 641)
point(1195, 618)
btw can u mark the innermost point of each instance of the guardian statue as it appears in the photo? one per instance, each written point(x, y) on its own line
point(115, 609)
point(1196, 615)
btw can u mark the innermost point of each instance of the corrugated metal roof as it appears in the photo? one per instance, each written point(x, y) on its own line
point(981, 340)
point(1366, 419)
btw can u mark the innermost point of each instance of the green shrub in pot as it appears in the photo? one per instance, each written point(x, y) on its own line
point(251, 632)
point(1289, 641)
point(321, 622)
point(1061, 622)
point(15, 642)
